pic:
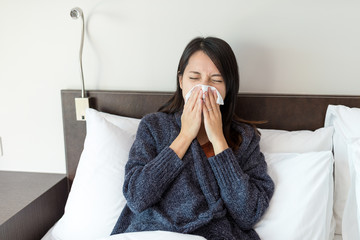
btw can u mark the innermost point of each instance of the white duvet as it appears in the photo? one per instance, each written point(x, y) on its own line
point(152, 235)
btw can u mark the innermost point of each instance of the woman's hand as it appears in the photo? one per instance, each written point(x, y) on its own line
point(213, 122)
point(190, 123)
point(191, 116)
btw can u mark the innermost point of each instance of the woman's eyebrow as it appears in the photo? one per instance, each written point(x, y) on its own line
point(194, 72)
point(216, 75)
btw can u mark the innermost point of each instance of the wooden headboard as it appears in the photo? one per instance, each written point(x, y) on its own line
point(287, 112)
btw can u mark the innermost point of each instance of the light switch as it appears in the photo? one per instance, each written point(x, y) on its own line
point(81, 104)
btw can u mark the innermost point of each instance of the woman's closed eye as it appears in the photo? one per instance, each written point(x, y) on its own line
point(217, 80)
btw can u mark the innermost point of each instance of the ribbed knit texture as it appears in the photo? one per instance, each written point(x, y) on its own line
point(222, 197)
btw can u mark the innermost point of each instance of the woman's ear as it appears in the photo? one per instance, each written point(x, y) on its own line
point(181, 81)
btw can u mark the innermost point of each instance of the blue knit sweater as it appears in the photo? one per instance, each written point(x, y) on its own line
point(219, 198)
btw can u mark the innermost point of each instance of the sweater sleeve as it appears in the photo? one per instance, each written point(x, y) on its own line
point(245, 186)
point(149, 171)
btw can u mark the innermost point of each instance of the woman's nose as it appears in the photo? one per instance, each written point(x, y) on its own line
point(206, 81)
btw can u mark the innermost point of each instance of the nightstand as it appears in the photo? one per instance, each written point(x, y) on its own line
point(30, 203)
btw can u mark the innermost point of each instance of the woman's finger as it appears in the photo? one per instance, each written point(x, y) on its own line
point(212, 98)
point(193, 98)
point(208, 102)
point(205, 112)
point(199, 107)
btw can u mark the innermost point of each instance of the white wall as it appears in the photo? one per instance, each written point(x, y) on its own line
point(298, 46)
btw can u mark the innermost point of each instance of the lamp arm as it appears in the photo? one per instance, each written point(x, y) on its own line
point(80, 56)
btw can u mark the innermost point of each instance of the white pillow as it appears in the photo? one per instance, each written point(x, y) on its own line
point(301, 207)
point(346, 122)
point(96, 197)
point(351, 216)
point(281, 141)
point(153, 235)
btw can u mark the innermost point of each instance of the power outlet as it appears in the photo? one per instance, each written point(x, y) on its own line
point(1, 148)
point(81, 104)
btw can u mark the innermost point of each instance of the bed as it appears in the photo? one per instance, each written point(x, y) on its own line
point(287, 115)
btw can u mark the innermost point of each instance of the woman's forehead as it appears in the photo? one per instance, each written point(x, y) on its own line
point(199, 62)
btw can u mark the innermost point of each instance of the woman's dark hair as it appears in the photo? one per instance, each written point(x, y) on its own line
point(224, 59)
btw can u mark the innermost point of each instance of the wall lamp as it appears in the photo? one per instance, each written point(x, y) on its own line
point(81, 104)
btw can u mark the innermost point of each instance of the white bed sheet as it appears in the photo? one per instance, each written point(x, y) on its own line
point(147, 235)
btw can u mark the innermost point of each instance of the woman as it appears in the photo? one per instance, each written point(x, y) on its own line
point(195, 167)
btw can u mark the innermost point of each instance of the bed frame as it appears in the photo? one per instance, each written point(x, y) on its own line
point(287, 112)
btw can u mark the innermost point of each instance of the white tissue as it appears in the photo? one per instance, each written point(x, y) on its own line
point(219, 100)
